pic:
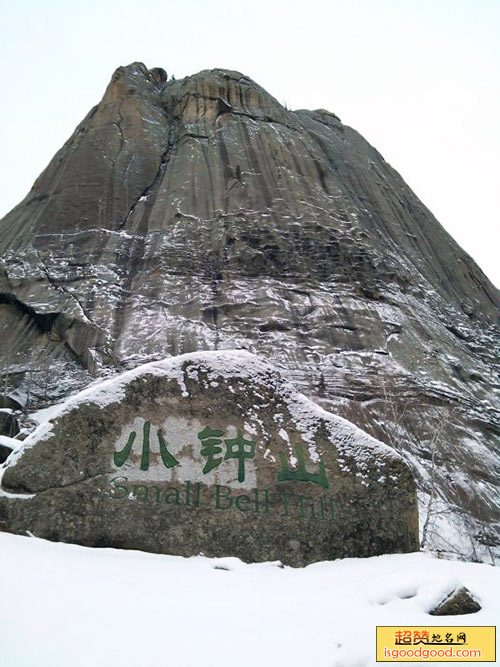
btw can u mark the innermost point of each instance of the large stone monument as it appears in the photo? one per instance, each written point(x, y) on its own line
point(210, 453)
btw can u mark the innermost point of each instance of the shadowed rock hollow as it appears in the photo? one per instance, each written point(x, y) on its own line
point(200, 214)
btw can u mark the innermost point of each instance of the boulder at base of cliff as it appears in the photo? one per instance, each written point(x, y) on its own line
point(211, 453)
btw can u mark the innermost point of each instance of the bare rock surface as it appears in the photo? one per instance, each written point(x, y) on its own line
point(200, 214)
point(5, 452)
point(211, 453)
point(458, 601)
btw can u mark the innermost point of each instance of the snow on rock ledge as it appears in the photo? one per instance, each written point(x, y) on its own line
point(212, 453)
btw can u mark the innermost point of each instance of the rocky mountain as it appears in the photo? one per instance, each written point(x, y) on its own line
point(200, 214)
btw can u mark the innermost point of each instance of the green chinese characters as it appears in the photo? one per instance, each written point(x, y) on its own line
point(169, 461)
point(301, 474)
point(215, 448)
point(236, 448)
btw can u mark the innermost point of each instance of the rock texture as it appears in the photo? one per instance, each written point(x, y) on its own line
point(200, 215)
point(458, 601)
point(210, 453)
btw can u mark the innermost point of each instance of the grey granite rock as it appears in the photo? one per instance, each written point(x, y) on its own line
point(200, 214)
point(210, 453)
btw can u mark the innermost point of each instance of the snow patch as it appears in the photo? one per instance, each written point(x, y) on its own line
point(86, 595)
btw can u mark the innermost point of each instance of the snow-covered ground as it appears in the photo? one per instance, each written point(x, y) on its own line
point(69, 606)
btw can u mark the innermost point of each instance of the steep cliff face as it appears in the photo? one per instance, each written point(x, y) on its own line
point(201, 214)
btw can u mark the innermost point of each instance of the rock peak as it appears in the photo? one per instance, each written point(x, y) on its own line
point(200, 214)
point(231, 87)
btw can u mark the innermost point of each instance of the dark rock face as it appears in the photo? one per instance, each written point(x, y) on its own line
point(200, 214)
point(210, 453)
point(8, 423)
point(459, 601)
point(5, 452)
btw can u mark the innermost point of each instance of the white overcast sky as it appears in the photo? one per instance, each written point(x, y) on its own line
point(418, 78)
